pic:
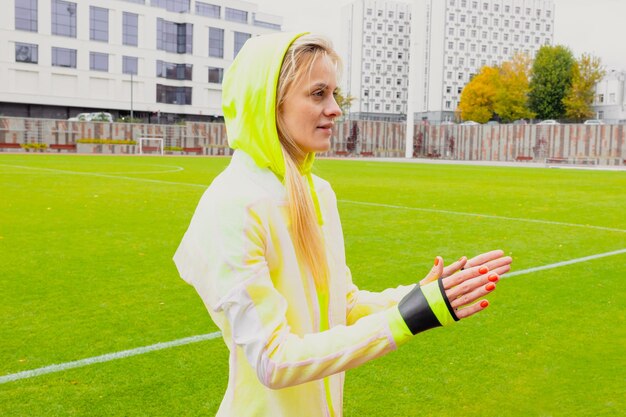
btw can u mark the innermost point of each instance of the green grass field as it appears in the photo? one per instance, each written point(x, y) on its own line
point(86, 244)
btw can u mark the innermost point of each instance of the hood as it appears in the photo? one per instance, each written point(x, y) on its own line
point(249, 101)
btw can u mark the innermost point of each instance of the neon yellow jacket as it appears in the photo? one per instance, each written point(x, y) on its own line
point(287, 357)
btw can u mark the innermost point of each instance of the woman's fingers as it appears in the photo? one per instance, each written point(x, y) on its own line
point(435, 271)
point(473, 309)
point(452, 268)
point(464, 275)
point(474, 289)
point(483, 258)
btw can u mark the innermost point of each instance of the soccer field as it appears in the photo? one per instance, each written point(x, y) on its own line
point(86, 244)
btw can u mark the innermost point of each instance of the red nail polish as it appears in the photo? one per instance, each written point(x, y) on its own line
point(436, 261)
point(484, 303)
point(483, 270)
point(490, 287)
point(494, 278)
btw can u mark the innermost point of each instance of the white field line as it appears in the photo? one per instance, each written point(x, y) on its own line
point(487, 216)
point(199, 338)
point(96, 174)
point(363, 203)
point(106, 358)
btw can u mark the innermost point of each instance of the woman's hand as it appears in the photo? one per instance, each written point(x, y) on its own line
point(494, 260)
point(467, 286)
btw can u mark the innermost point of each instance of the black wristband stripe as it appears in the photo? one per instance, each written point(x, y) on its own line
point(416, 312)
point(445, 298)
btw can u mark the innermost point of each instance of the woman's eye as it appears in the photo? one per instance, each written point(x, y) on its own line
point(318, 93)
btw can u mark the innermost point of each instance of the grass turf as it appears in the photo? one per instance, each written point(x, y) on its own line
point(86, 244)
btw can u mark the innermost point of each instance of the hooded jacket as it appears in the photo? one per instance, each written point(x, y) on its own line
point(289, 347)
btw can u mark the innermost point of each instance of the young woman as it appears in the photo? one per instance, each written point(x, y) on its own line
point(265, 247)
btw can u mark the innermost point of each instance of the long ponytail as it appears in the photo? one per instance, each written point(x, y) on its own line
point(307, 234)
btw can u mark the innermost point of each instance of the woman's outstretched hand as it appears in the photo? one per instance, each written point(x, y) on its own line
point(465, 281)
point(494, 260)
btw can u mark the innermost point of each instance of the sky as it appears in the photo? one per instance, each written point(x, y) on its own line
point(597, 27)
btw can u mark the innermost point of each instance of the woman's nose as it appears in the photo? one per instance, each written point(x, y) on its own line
point(333, 109)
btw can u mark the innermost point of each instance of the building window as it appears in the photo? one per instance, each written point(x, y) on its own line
point(173, 95)
point(369, 12)
point(366, 79)
point(235, 15)
point(216, 42)
point(174, 37)
point(449, 75)
point(208, 10)
point(98, 61)
point(447, 104)
point(130, 25)
point(98, 24)
point(63, 57)
point(507, 8)
point(215, 75)
point(379, 26)
point(496, 7)
point(460, 75)
point(400, 15)
point(174, 71)
point(26, 15)
point(450, 45)
point(368, 25)
point(26, 52)
point(130, 65)
point(64, 18)
point(449, 60)
point(448, 90)
point(240, 39)
point(176, 6)
point(451, 31)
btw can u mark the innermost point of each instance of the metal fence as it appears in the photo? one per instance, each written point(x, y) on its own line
point(566, 143)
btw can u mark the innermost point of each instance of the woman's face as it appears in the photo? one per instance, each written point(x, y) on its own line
point(309, 109)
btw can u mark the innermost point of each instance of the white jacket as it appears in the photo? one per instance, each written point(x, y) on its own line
point(239, 255)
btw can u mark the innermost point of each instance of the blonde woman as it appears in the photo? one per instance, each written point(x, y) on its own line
point(265, 247)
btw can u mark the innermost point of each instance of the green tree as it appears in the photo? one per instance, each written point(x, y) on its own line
point(586, 73)
point(511, 101)
point(344, 102)
point(551, 80)
point(479, 95)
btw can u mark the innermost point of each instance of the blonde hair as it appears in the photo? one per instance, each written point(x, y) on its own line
point(308, 240)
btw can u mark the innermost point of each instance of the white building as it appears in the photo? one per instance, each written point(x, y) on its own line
point(458, 37)
point(610, 97)
point(375, 47)
point(452, 40)
point(59, 58)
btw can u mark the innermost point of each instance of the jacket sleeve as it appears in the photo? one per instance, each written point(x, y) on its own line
point(361, 303)
point(237, 282)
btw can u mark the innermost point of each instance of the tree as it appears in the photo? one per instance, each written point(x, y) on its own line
point(551, 80)
point(511, 102)
point(344, 102)
point(479, 95)
point(586, 73)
